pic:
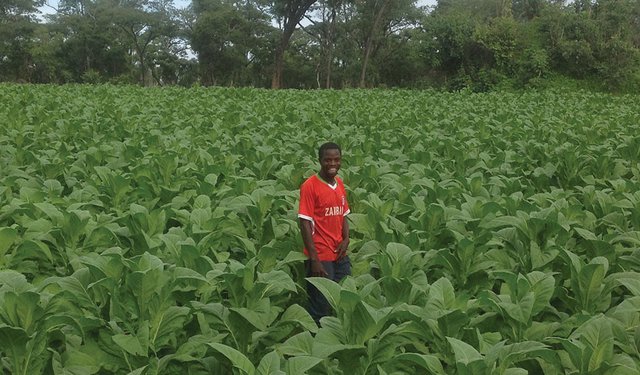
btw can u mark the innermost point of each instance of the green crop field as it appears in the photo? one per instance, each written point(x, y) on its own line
point(154, 231)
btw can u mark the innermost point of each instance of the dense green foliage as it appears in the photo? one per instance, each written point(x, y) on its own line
point(153, 231)
point(481, 45)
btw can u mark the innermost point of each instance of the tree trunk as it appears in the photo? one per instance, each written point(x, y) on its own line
point(142, 70)
point(278, 65)
point(329, 57)
point(365, 61)
point(295, 12)
point(369, 42)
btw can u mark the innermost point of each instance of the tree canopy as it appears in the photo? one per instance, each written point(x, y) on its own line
point(455, 44)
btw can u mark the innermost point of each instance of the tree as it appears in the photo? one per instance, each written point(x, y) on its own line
point(527, 9)
point(446, 44)
point(345, 48)
point(173, 62)
point(378, 20)
point(617, 53)
point(143, 22)
point(399, 61)
point(323, 29)
point(480, 10)
point(329, 37)
point(288, 14)
point(229, 38)
point(376, 10)
point(594, 41)
point(87, 43)
point(17, 25)
point(583, 6)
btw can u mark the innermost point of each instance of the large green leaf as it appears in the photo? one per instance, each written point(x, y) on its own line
point(430, 363)
point(330, 289)
point(237, 359)
point(74, 362)
point(11, 280)
point(167, 325)
point(441, 294)
point(297, 345)
point(270, 364)
point(7, 237)
point(301, 364)
point(597, 334)
point(130, 344)
point(630, 280)
point(298, 315)
point(14, 341)
point(22, 310)
point(464, 353)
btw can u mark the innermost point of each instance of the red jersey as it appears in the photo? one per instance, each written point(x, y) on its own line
point(325, 206)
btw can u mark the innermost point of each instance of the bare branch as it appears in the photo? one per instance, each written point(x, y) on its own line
point(307, 31)
point(310, 20)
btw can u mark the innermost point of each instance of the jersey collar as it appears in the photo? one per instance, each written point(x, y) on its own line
point(334, 186)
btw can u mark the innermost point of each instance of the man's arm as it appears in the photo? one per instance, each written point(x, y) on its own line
point(342, 247)
point(307, 239)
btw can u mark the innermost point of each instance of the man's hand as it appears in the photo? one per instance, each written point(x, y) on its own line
point(317, 270)
point(342, 248)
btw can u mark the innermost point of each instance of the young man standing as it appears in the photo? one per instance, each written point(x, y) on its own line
point(323, 223)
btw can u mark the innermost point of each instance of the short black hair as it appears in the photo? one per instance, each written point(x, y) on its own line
point(328, 146)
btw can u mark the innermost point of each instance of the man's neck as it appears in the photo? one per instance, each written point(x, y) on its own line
point(330, 181)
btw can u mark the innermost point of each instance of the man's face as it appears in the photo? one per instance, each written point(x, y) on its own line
point(330, 162)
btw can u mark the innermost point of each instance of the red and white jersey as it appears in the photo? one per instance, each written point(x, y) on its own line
point(325, 206)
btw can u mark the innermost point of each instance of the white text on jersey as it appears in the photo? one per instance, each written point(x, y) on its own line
point(333, 211)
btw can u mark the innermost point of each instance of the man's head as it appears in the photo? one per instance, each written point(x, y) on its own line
point(328, 146)
point(330, 156)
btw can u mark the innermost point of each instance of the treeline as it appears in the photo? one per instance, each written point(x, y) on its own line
point(456, 44)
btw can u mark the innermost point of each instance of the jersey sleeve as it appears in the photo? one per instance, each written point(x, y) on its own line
point(305, 210)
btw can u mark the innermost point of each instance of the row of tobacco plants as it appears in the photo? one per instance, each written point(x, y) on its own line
point(154, 231)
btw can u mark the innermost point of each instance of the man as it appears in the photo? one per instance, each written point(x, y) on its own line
point(323, 223)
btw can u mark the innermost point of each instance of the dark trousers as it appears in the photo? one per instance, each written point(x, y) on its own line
point(336, 271)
